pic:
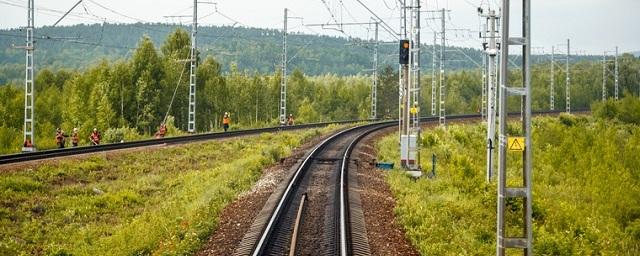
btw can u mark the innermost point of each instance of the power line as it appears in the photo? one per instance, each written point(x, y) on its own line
point(386, 26)
point(118, 13)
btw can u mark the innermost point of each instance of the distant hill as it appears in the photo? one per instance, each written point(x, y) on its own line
point(636, 53)
point(252, 49)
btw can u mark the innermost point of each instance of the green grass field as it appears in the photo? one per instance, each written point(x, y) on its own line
point(160, 202)
point(586, 190)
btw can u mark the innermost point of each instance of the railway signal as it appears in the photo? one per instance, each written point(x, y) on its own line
point(410, 89)
point(404, 52)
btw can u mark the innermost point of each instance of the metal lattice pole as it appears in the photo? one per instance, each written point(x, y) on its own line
point(617, 88)
point(283, 79)
point(434, 79)
point(374, 86)
point(442, 97)
point(410, 93)
point(604, 76)
point(524, 241)
point(193, 71)
point(552, 87)
point(29, 88)
point(483, 108)
point(414, 149)
point(568, 86)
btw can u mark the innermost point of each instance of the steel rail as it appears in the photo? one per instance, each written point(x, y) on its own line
point(261, 245)
point(344, 199)
point(45, 154)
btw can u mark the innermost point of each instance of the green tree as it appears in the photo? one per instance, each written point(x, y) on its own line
point(105, 116)
point(387, 93)
point(148, 100)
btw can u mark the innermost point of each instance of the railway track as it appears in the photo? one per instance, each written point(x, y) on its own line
point(317, 210)
point(46, 154)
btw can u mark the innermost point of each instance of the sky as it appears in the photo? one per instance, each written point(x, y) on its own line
point(594, 26)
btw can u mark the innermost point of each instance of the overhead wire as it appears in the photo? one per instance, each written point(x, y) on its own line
point(118, 13)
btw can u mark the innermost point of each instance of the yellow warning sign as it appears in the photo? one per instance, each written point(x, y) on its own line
point(414, 110)
point(516, 144)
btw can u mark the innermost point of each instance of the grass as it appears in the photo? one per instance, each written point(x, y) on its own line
point(155, 202)
point(586, 187)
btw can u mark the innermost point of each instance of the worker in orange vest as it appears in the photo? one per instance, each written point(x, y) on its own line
point(290, 119)
point(60, 138)
point(75, 138)
point(225, 121)
point(162, 131)
point(95, 137)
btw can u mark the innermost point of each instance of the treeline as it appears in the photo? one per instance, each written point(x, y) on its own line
point(128, 98)
point(253, 49)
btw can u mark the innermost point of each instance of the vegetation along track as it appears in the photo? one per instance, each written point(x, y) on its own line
point(45, 154)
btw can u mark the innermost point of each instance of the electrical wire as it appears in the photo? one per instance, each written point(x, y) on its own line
point(117, 13)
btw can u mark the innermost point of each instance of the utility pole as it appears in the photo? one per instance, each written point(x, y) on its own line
point(552, 87)
point(568, 87)
point(483, 98)
point(512, 143)
point(604, 76)
point(410, 92)
point(434, 80)
point(283, 80)
point(491, 51)
point(616, 76)
point(193, 70)
point(29, 85)
point(374, 86)
point(442, 96)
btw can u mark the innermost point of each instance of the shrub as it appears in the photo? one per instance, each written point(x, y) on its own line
point(585, 189)
point(117, 135)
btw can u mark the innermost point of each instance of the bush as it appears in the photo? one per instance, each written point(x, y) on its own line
point(626, 110)
point(117, 135)
point(585, 188)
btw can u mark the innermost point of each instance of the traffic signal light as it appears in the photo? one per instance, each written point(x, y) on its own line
point(404, 52)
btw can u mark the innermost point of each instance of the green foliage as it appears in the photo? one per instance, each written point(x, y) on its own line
point(585, 190)
point(626, 110)
point(10, 140)
point(153, 82)
point(117, 135)
point(252, 49)
point(158, 202)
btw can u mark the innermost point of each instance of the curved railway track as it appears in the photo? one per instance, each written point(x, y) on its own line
point(315, 211)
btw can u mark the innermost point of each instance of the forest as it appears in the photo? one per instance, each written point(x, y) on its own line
point(252, 49)
point(128, 98)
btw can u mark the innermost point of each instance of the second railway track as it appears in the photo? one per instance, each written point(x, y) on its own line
point(47, 154)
